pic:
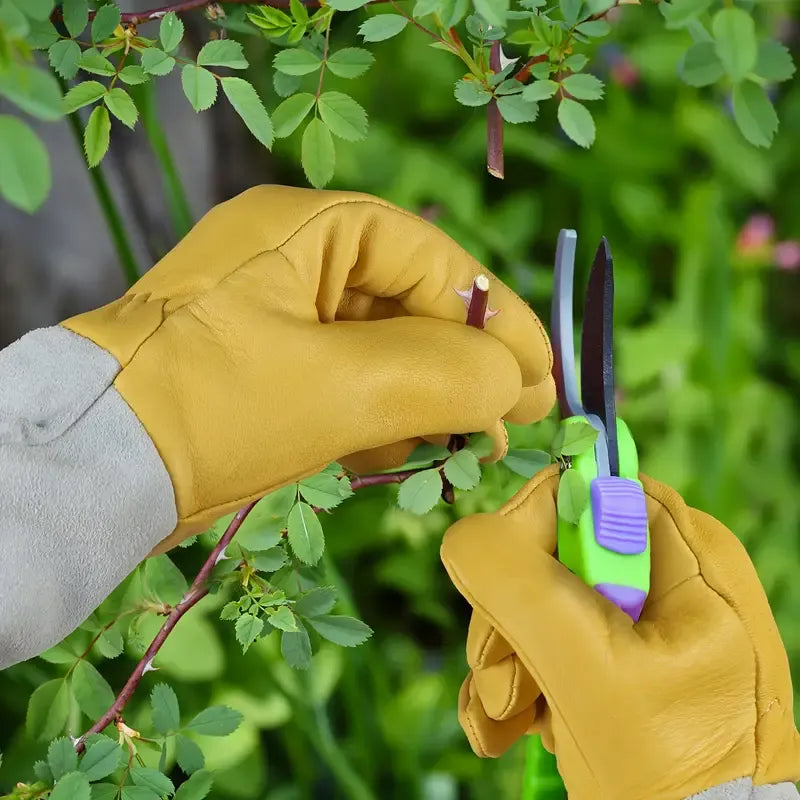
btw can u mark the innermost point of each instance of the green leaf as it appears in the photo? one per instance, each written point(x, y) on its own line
point(424, 7)
point(574, 438)
point(91, 689)
point(283, 619)
point(573, 496)
point(197, 787)
point(230, 610)
point(297, 62)
point(101, 759)
point(200, 86)
point(63, 57)
point(481, 444)
point(165, 708)
point(321, 490)
point(165, 580)
point(420, 493)
point(774, 62)
point(271, 20)
point(61, 757)
point(344, 117)
point(33, 90)
point(41, 769)
point(754, 113)
point(285, 85)
point(72, 786)
point(76, 16)
point(350, 62)
point(170, 31)
point(316, 602)
point(157, 62)
point(215, 721)
point(248, 629)
point(121, 105)
point(463, 470)
point(269, 560)
point(110, 643)
point(291, 112)
point(540, 90)
point(189, 756)
point(93, 61)
point(515, 108)
point(344, 631)
point(48, 706)
point(471, 93)
point(576, 62)
point(106, 18)
point(299, 13)
point(105, 791)
point(42, 35)
point(701, 65)
point(25, 176)
point(139, 793)
point(382, 27)
point(595, 29)
point(133, 74)
point(296, 648)
point(222, 53)
point(318, 155)
point(576, 121)
point(346, 5)
point(583, 86)
point(493, 11)
point(245, 100)
point(527, 462)
point(152, 779)
point(305, 534)
point(735, 38)
point(570, 10)
point(425, 453)
point(680, 13)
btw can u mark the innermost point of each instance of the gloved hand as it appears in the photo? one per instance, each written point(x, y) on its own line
point(696, 694)
point(292, 328)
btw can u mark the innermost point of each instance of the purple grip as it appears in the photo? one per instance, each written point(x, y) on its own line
point(620, 515)
point(630, 600)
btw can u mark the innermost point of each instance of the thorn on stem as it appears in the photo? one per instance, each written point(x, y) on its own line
point(476, 299)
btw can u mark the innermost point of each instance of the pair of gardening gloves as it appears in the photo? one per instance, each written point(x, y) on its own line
point(292, 328)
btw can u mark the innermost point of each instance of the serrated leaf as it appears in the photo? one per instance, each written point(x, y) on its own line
point(63, 57)
point(271, 20)
point(101, 759)
point(305, 534)
point(171, 31)
point(516, 109)
point(344, 116)
point(283, 619)
point(25, 176)
point(110, 644)
point(296, 648)
point(299, 13)
point(341, 630)
point(735, 39)
point(583, 86)
point(701, 65)
point(269, 560)
point(91, 689)
point(76, 16)
point(48, 706)
point(152, 779)
point(120, 104)
point(165, 708)
point(318, 155)
point(493, 11)
point(245, 100)
point(774, 62)
point(95, 62)
point(471, 93)
point(165, 580)
point(321, 490)
point(754, 113)
point(200, 86)
point(291, 112)
point(481, 444)
point(347, 5)
point(576, 121)
point(540, 90)
point(570, 10)
point(105, 791)
point(197, 787)
point(527, 462)
point(139, 793)
point(42, 771)
point(157, 62)
point(41, 36)
point(297, 62)
point(594, 29)
point(222, 53)
point(72, 786)
point(420, 493)
point(285, 85)
point(575, 62)
point(230, 610)
point(382, 27)
point(61, 757)
point(573, 496)
point(350, 62)
point(106, 18)
point(316, 602)
point(133, 74)
point(215, 721)
point(248, 629)
point(189, 756)
point(463, 470)
point(425, 453)
point(680, 13)
point(33, 90)
point(575, 438)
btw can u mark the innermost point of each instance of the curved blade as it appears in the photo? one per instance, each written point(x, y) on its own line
point(597, 360)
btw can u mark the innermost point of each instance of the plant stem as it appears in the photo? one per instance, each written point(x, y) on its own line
point(494, 124)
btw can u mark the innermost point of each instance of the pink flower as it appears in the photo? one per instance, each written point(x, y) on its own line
point(755, 234)
point(787, 255)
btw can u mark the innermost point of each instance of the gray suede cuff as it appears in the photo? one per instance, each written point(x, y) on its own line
point(84, 495)
point(743, 789)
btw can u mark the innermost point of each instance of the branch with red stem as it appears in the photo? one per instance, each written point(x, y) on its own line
point(494, 124)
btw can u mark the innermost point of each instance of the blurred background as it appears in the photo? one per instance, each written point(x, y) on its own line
point(705, 233)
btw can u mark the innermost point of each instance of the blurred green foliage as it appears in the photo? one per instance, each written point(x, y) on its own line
point(708, 356)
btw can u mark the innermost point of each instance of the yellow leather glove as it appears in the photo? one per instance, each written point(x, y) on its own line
point(694, 695)
point(292, 328)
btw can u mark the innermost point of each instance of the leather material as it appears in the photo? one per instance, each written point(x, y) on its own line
point(696, 694)
point(294, 327)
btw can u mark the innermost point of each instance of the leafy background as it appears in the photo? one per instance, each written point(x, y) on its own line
point(702, 227)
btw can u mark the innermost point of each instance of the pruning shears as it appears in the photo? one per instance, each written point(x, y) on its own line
point(609, 548)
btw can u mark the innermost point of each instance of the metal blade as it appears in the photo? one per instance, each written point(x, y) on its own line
point(597, 360)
